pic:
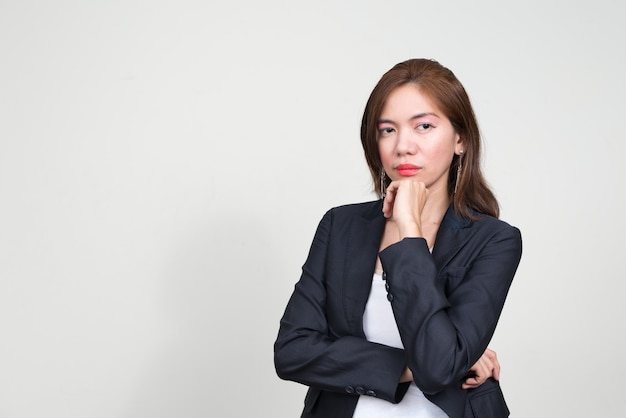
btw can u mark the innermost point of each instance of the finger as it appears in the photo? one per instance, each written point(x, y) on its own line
point(495, 364)
point(388, 203)
point(488, 361)
point(471, 382)
point(481, 370)
point(496, 369)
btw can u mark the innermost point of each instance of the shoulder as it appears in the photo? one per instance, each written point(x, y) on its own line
point(370, 210)
point(497, 233)
point(497, 226)
point(343, 219)
point(483, 228)
point(351, 208)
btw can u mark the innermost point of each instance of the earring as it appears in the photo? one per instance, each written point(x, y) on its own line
point(458, 170)
point(383, 189)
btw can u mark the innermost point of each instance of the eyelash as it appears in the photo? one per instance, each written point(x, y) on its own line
point(421, 127)
point(425, 126)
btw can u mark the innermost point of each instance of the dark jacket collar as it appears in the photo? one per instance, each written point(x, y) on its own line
point(361, 251)
point(452, 235)
point(363, 245)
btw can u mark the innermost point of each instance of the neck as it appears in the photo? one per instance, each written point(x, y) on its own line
point(435, 208)
point(432, 215)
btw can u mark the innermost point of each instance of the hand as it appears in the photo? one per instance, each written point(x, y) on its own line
point(487, 366)
point(404, 203)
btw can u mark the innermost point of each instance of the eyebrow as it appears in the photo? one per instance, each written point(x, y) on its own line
point(418, 116)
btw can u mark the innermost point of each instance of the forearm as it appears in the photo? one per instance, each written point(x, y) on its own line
point(348, 364)
point(445, 331)
point(314, 347)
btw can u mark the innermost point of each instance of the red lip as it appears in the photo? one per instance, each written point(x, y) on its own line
point(407, 170)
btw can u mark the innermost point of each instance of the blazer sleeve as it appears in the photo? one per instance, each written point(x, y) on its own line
point(446, 327)
point(306, 352)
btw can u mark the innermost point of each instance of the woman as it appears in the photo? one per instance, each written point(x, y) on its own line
point(399, 298)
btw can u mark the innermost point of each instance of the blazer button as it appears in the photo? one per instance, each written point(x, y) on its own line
point(349, 389)
point(370, 393)
point(389, 297)
point(360, 390)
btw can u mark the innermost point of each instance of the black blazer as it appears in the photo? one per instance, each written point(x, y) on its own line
point(446, 305)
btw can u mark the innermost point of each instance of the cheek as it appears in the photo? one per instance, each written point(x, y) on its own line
point(443, 150)
point(440, 156)
point(383, 153)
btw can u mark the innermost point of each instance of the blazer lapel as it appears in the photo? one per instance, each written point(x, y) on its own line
point(362, 249)
point(453, 233)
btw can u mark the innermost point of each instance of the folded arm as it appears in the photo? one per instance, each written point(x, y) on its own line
point(446, 331)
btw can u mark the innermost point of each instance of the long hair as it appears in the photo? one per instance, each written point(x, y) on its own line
point(442, 87)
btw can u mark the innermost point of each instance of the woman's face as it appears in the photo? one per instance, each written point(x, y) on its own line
point(415, 139)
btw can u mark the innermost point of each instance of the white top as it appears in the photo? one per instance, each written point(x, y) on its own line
point(380, 326)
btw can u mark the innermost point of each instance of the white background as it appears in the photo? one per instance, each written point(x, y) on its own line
point(163, 166)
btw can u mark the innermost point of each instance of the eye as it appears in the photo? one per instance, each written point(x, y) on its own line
point(384, 131)
point(424, 126)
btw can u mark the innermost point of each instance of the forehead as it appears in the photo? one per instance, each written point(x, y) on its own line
point(409, 99)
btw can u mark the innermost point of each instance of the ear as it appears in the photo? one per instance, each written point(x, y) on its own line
point(459, 147)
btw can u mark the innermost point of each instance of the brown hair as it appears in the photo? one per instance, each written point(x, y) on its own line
point(447, 93)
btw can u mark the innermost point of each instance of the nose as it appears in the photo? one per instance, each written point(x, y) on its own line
point(406, 142)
